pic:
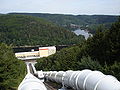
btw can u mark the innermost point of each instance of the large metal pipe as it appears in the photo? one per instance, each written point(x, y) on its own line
point(84, 80)
point(30, 82)
point(34, 69)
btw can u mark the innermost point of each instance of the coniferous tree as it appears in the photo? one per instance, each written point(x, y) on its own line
point(12, 71)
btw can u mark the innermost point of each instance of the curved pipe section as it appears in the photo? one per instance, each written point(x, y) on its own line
point(84, 80)
point(30, 82)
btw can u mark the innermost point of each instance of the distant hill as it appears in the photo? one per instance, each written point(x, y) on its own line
point(101, 52)
point(28, 30)
point(72, 22)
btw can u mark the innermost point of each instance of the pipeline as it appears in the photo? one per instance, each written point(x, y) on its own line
point(30, 82)
point(34, 69)
point(84, 80)
point(38, 74)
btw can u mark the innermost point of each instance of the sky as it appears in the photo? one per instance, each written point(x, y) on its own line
point(75, 7)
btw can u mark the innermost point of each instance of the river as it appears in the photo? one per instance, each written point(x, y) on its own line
point(86, 34)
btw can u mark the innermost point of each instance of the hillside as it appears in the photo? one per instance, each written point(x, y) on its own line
point(72, 22)
point(28, 30)
point(12, 70)
point(100, 52)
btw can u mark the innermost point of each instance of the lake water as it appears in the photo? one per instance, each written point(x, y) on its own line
point(86, 34)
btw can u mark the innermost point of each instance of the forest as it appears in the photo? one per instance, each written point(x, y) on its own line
point(21, 30)
point(100, 52)
point(73, 22)
point(12, 70)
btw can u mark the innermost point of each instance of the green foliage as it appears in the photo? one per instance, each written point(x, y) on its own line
point(88, 63)
point(12, 71)
point(105, 46)
point(112, 69)
point(28, 30)
point(63, 60)
point(90, 22)
point(100, 52)
point(67, 59)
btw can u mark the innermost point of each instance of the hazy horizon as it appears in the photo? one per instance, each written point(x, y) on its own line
point(71, 7)
point(61, 13)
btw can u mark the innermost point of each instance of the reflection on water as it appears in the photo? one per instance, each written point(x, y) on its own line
point(86, 34)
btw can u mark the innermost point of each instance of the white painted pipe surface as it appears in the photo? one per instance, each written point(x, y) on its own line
point(30, 82)
point(59, 77)
point(40, 75)
point(84, 80)
point(34, 69)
